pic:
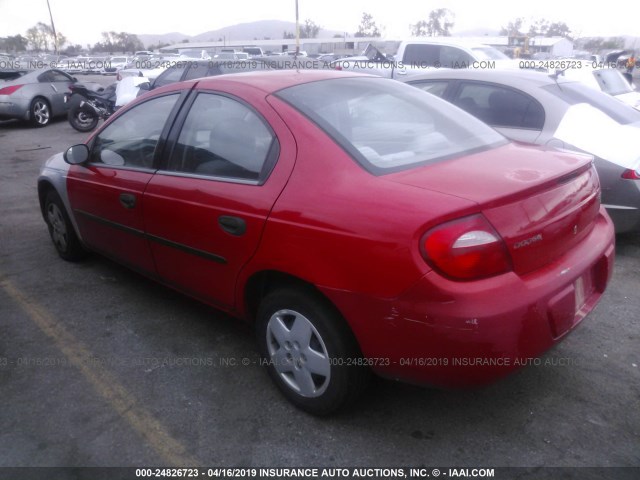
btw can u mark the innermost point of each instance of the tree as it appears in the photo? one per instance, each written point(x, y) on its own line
point(122, 41)
point(539, 28)
point(613, 43)
point(309, 30)
point(73, 50)
point(513, 28)
point(40, 36)
point(16, 43)
point(61, 40)
point(439, 23)
point(419, 29)
point(129, 42)
point(108, 41)
point(559, 29)
point(288, 35)
point(367, 27)
point(34, 39)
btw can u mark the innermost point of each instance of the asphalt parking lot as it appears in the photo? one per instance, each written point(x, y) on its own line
point(101, 367)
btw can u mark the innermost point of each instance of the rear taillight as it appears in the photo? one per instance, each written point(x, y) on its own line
point(632, 174)
point(466, 249)
point(10, 90)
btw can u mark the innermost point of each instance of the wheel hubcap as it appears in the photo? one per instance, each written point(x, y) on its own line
point(84, 119)
point(58, 227)
point(298, 353)
point(41, 112)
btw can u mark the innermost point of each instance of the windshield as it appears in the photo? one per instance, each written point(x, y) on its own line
point(612, 82)
point(594, 132)
point(389, 126)
point(488, 53)
point(574, 93)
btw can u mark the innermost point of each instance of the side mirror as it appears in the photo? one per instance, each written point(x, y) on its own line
point(111, 158)
point(77, 154)
point(145, 86)
point(74, 79)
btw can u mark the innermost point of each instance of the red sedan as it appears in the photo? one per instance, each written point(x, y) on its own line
point(360, 223)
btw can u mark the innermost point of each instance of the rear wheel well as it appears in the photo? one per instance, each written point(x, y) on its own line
point(262, 283)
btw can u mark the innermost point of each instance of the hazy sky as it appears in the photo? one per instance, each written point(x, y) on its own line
point(82, 21)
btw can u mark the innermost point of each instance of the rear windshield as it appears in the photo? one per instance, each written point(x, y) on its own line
point(574, 93)
point(488, 53)
point(612, 82)
point(388, 126)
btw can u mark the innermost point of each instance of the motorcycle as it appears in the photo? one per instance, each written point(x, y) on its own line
point(89, 106)
point(90, 103)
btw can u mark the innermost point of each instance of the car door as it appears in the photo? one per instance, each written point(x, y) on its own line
point(106, 193)
point(512, 112)
point(417, 57)
point(438, 88)
point(455, 57)
point(206, 209)
point(57, 83)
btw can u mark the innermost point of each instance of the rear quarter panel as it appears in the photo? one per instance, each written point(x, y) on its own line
point(337, 226)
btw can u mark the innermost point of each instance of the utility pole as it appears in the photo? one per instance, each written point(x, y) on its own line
point(53, 27)
point(297, 30)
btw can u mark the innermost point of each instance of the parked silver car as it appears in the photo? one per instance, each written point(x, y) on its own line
point(554, 112)
point(37, 96)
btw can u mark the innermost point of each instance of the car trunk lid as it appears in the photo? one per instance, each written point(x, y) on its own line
point(541, 202)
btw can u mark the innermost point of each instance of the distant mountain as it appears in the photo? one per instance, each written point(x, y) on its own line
point(271, 29)
point(171, 38)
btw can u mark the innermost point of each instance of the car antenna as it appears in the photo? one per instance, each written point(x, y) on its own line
point(557, 74)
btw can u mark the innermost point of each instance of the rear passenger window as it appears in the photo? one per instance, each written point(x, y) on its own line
point(171, 75)
point(224, 138)
point(433, 87)
point(452, 57)
point(198, 70)
point(501, 107)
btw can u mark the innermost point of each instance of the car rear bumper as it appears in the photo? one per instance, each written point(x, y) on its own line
point(463, 334)
point(625, 219)
point(14, 109)
point(622, 201)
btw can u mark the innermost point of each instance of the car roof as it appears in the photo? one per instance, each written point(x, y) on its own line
point(507, 77)
point(30, 76)
point(274, 80)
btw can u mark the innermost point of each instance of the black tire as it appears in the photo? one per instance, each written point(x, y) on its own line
point(322, 374)
point(82, 120)
point(39, 112)
point(61, 230)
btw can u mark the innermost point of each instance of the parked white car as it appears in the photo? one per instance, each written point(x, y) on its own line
point(419, 55)
point(113, 64)
point(609, 80)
